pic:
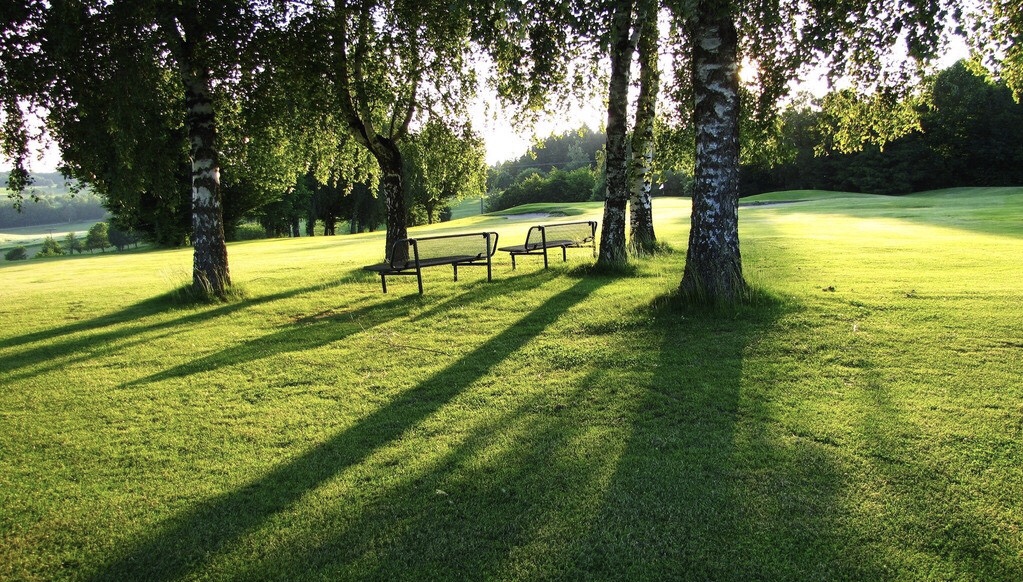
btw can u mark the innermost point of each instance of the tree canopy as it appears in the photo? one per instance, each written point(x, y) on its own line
point(185, 115)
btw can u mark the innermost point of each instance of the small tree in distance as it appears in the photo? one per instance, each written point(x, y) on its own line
point(51, 248)
point(72, 244)
point(121, 239)
point(98, 237)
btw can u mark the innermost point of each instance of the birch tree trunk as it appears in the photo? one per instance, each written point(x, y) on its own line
point(612, 234)
point(388, 156)
point(641, 218)
point(210, 273)
point(713, 268)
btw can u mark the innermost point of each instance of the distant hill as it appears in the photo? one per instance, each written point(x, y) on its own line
point(49, 201)
point(43, 182)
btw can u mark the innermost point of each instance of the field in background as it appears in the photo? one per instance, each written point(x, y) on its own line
point(861, 420)
point(31, 237)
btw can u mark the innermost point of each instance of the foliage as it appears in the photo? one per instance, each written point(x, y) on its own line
point(443, 164)
point(970, 133)
point(18, 253)
point(98, 237)
point(555, 186)
point(51, 248)
point(566, 151)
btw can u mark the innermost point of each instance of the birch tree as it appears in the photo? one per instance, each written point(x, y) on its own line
point(622, 44)
point(132, 91)
point(780, 38)
point(713, 261)
point(641, 220)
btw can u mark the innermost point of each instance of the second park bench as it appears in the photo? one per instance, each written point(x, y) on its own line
point(563, 235)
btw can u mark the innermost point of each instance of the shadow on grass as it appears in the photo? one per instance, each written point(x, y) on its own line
point(82, 341)
point(185, 545)
point(653, 464)
point(704, 489)
point(314, 331)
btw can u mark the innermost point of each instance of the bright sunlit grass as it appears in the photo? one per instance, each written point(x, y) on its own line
point(862, 420)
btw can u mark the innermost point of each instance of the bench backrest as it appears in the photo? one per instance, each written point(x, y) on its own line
point(467, 246)
point(575, 233)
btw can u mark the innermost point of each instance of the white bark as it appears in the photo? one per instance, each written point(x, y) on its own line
point(713, 263)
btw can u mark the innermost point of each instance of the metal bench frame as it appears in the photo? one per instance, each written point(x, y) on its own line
point(540, 248)
point(402, 264)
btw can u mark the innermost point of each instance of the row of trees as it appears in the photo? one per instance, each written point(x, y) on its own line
point(965, 130)
point(441, 164)
point(99, 237)
point(239, 97)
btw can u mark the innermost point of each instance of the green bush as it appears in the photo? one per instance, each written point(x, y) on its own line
point(249, 231)
point(51, 248)
point(556, 186)
point(16, 254)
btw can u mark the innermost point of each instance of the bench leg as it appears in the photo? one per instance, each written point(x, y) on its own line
point(456, 270)
point(564, 254)
point(383, 282)
point(545, 265)
point(419, 279)
point(489, 270)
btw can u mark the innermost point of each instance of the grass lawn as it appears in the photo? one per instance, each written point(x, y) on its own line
point(863, 420)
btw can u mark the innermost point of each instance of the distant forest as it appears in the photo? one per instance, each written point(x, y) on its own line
point(968, 132)
point(50, 200)
point(960, 128)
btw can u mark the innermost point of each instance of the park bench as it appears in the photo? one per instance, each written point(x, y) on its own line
point(409, 256)
point(562, 235)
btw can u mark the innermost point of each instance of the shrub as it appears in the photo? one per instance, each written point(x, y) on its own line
point(556, 186)
point(16, 254)
point(249, 231)
point(51, 248)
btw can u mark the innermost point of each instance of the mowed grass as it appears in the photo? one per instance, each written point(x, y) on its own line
point(861, 420)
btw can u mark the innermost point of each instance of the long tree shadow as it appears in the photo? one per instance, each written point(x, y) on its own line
point(115, 327)
point(661, 464)
point(332, 326)
point(704, 489)
point(524, 478)
point(185, 544)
